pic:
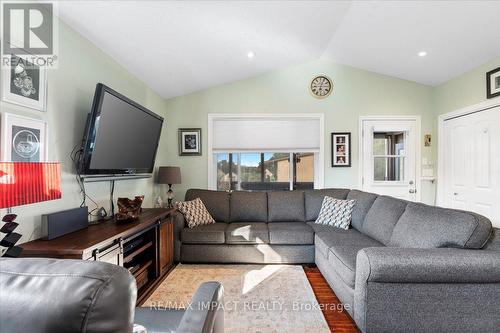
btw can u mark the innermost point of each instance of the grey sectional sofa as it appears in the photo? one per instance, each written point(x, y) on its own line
point(402, 267)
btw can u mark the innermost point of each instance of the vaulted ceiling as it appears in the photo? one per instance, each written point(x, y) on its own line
point(178, 47)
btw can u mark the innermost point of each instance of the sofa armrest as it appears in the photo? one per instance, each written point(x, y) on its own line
point(179, 223)
point(205, 313)
point(443, 265)
point(427, 290)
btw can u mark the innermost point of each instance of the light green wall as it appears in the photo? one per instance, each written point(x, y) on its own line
point(356, 93)
point(70, 92)
point(467, 89)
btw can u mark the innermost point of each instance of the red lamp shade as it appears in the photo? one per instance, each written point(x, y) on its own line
point(26, 183)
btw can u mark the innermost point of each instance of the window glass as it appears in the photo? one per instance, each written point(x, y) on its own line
point(264, 171)
point(388, 156)
point(304, 171)
point(388, 143)
point(388, 169)
point(226, 172)
point(277, 167)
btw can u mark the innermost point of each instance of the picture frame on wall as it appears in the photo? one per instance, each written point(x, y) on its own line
point(493, 83)
point(189, 141)
point(23, 139)
point(24, 83)
point(341, 149)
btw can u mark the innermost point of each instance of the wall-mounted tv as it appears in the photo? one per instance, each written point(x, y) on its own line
point(121, 137)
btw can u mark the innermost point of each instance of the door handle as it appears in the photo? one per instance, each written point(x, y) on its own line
point(412, 191)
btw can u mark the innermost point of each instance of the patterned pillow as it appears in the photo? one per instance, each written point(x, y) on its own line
point(195, 213)
point(336, 212)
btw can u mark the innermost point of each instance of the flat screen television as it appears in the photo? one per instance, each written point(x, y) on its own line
point(121, 137)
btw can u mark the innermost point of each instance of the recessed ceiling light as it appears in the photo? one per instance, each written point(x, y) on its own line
point(422, 54)
point(250, 54)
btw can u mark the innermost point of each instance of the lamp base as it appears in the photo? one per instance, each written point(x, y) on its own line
point(170, 197)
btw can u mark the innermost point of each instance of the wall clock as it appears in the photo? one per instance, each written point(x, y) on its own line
point(321, 86)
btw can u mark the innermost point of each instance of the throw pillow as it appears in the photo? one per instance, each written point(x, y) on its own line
point(195, 213)
point(336, 212)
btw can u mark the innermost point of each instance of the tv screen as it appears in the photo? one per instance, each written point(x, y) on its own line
point(121, 136)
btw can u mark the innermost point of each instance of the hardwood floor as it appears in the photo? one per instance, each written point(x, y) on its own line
point(338, 320)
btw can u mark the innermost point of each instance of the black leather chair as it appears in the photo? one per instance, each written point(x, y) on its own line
point(39, 295)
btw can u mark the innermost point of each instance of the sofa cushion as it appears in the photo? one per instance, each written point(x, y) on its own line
point(291, 233)
point(336, 213)
point(286, 206)
point(324, 240)
point(205, 234)
point(319, 227)
point(364, 201)
point(423, 226)
point(217, 202)
point(343, 261)
point(247, 233)
point(314, 200)
point(248, 206)
point(382, 217)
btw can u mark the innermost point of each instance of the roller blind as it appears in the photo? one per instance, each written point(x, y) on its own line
point(279, 134)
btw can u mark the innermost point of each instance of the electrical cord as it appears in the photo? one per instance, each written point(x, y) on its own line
point(111, 195)
point(76, 155)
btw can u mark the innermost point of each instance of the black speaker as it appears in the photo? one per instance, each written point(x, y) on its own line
point(62, 223)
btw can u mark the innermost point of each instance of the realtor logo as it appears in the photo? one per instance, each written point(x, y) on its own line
point(29, 29)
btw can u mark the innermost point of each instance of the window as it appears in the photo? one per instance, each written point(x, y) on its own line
point(388, 156)
point(259, 152)
point(265, 171)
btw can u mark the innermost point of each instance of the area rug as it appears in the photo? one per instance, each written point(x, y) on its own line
point(257, 298)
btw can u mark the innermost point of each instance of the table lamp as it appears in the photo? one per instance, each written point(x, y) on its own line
point(23, 183)
point(169, 175)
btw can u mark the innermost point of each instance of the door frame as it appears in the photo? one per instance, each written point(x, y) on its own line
point(483, 106)
point(418, 148)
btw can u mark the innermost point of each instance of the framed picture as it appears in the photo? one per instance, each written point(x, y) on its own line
point(341, 149)
point(24, 83)
point(493, 83)
point(23, 139)
point(190, 141)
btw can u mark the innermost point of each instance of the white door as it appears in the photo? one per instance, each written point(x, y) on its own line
point(471, 163)
point(389, 157)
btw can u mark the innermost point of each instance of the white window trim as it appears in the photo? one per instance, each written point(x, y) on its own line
point(319, 161)
point(418, 148)
point(488, 104)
